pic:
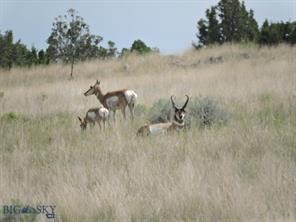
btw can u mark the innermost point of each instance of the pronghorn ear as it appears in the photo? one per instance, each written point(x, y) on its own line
point(79, 119)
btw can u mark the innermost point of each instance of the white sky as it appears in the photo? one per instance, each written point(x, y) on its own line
point(169, 25)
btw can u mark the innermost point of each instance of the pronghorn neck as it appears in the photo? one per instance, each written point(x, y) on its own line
point(99, 95)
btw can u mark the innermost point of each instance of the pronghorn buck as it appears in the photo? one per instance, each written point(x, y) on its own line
point(94, 115)
point(176, 123)
point(114, 100)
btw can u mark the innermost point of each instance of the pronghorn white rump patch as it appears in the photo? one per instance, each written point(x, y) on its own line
point(104, 113)
point(91, 115)
point(111, 102)
point(130, 96)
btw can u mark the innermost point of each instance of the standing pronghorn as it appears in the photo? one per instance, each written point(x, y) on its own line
point(178, 122)
point(119, 99)
point(94, 115)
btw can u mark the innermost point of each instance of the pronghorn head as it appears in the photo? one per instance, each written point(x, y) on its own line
point(179, 113)
point(93, 89)
point(83, 123)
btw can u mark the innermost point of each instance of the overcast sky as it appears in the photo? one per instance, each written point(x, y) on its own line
point(169, 25)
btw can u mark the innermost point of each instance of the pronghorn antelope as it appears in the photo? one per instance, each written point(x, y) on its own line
point(119, 99)
point(176, 123)
point(94, 115)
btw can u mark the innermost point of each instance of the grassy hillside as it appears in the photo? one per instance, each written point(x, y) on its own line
point(244, 170)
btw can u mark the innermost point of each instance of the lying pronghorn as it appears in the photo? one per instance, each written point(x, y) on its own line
point(94, 115)
point(119, 99)
point(177, 122)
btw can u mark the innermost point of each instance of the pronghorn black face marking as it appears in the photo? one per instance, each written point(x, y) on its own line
point(92, 89)
point(179, 113)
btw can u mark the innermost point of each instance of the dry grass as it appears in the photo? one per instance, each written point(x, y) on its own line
point(243, 171)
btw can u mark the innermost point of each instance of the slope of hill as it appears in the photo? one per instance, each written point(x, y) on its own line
point(241, 171)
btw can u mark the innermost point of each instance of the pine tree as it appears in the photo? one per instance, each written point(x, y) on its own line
point(229, 21)
point(140, 47)
point(264, 33)
point(6, 49)
point(230, 15)
point(253, 30)
point(214, 35)
point(202, 34)
point(292, 33)
point(112, 50)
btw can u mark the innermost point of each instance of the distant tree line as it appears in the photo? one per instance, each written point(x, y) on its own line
point(230, 21)
point(69, 41)
point(274, 33)
point(17, 54)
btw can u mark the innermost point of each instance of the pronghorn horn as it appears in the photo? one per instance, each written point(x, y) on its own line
point(186, 102)
point(79, 119)
point(173, 103)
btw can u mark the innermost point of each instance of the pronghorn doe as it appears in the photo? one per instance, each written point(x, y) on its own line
point(94, 115)
point(114, 100)
point(178, 122)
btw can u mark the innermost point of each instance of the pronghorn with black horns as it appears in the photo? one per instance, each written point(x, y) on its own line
point(114, 100)
point(178, 122)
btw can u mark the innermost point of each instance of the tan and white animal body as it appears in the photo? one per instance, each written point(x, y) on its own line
point(114, 100)
point(94, 115)
point(178, 122)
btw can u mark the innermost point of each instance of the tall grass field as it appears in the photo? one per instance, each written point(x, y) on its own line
point(240, 169)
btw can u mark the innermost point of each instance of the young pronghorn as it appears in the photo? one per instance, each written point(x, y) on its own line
point(119, 99)
point(94, 115)
point(176, 123)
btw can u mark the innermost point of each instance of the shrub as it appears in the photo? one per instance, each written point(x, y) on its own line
point(201, 112)
point(206, 112)
point(140, 110)
point(12, 116)
point(160, 111)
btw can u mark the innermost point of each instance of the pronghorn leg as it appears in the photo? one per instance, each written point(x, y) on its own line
point(114, 112)
point(131, 108)
point(104, 122)
point(92, 124)
point(123, 113)
point(99, 122)
point(108, 120)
